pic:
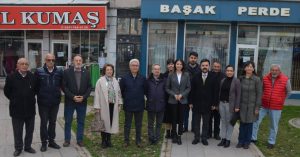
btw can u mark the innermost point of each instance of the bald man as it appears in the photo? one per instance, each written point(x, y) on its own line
point(49, 83)
point(20, 89)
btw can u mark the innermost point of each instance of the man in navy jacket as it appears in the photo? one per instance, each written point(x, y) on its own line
point(49, 93)
point(133, 90)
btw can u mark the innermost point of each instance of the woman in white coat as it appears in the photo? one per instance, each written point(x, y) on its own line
point(108, 101)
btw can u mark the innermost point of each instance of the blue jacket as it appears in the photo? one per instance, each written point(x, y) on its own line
point(155, 93)
point(49, 86)
point(133, 91)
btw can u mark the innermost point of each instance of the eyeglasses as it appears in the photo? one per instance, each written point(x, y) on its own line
point(24, 64)
point(50, 60)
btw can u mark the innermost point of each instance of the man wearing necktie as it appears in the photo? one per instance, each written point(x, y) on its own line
point(202, 100)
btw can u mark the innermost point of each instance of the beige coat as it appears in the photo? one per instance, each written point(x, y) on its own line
point(101, 102)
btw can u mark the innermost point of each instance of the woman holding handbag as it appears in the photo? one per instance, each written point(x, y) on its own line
point(107, 102)
point(229, 96)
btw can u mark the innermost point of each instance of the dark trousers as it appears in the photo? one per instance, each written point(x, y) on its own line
point(138, 119)
point(245, 133)
point(48, 116)
point(80, 114)
point(214, 119)
point(186, 117)
point(154, 118)
point(105, 135)
point(205, 124)
point(177, 118)
point(18, 125)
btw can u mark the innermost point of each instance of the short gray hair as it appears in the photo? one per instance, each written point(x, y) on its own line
point(134, 60)
point(275, 65)
point(155, 65)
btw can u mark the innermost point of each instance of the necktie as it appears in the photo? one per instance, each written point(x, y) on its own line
point(204, 78)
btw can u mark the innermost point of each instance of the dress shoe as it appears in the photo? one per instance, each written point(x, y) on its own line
point(80, 144)
point(246, 146)
point(53, 145)
point(217, 137)
point(17, 152)
point(195, 141)
point(108, 140)
point(104, 144)
point(254, 141)
point(43, 148)
point(139, 145)
point(174, 139)
point(239, 145)
point(270, 146)
point(168, 134)
point(30, 150)
point(227, 144)
point(126, 144)
point(179, 140)
point(222, 142)
point(204, 142)
point(66, 144)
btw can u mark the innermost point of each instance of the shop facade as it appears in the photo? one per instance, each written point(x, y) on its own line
point(33, 29)
point(231, 32)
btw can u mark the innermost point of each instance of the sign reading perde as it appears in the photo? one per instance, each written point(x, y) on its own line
point(52, 18)
point(222, 10)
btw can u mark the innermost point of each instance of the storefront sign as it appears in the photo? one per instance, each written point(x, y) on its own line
point(52, 18)
point(222, 10)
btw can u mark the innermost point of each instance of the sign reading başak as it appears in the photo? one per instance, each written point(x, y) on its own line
point(53, 17)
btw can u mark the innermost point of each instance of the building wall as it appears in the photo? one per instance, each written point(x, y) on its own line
point(125, 3)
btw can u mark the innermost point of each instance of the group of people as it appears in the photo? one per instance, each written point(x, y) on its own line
point(214, 98)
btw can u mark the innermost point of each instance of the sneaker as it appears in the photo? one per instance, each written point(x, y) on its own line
point(80, 144)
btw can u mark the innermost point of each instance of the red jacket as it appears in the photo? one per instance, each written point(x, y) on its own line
point(274, 95)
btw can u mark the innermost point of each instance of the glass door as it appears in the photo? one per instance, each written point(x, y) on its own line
point(61, 51)
point(245, 53)
point(34, 53)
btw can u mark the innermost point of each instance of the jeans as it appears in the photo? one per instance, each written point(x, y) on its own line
point(154, 118)
point(245, 133)
point(226, 127)
point(274, 116)
point(18, 124)
point(68, 114)
point(48, 116)
point(138, 119)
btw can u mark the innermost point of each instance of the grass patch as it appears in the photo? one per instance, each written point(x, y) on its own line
point(288, 137)
point(92, 141)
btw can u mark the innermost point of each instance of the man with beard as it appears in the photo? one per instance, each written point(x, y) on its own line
point(203, 99)
point(215, 115)
point(192, 68)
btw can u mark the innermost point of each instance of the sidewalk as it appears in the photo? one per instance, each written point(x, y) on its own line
point(187, 149)
point(7, 139)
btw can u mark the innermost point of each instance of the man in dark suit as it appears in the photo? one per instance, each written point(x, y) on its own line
point(203, 100)
point(20, 89)
point(77, 88)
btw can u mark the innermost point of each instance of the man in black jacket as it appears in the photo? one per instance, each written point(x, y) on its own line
point(215, 115)
point(77, 88)
point(203, 100)
point(49, 93)
point(133, 91)
point(20, 89)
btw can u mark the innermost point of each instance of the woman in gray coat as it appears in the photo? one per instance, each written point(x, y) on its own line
point(230, 92)
point(249, 104)
point(178, 87)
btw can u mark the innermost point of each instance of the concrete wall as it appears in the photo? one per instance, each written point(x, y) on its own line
point(125, 4)
point(111, 35)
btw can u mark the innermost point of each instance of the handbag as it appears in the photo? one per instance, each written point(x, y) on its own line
point(234, 118)
point(97, 125)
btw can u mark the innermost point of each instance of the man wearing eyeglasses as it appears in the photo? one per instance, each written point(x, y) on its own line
point(48, 97)
point(20, 89)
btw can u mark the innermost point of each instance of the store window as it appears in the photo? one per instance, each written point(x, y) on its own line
point(129, 26)
point(280, 45)
point(162, 43)
point(209, 41)
point(34, 34)
point(87, 43)
point(247, 35)
point(11, 49)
